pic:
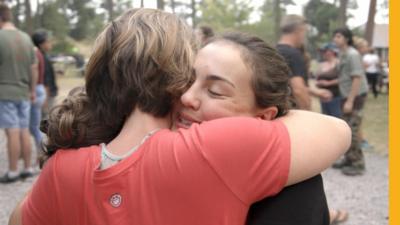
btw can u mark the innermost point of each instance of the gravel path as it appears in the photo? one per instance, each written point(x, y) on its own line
point(364, 197)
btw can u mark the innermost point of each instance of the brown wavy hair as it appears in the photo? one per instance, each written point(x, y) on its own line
point(269, 70)
point(142, 59)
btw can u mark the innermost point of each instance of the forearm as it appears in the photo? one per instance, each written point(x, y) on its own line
point(314, 90)
point(303, 99)
point(16, 216)
point(332, 82)
point(34, 76)
point(317, 147)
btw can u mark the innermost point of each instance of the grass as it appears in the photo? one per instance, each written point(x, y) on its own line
point(375, 122)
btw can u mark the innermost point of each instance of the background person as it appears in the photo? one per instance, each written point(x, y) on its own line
point(353, 88)
point(38, 39)
point(291, 47)
point(327, 77)
point(44, 43)
point(372, 65)
point(18, 77)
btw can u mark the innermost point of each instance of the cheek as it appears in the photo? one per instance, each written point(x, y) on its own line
point(221, 109)
point(216, 110)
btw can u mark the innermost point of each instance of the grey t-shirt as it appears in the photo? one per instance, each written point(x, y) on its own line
point(16, 57)
point(350, 66)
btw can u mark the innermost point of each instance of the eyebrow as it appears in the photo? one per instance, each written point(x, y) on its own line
point(213, 77)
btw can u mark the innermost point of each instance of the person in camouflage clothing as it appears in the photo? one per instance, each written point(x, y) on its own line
point(353, 88)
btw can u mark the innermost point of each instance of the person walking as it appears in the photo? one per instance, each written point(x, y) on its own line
point(18, 74)
point(372, 68)
point(39, 39)
point(353, 88)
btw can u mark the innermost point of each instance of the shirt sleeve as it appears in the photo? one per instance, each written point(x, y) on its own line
point(356, 67)
point(39, 207)
point(251, 156)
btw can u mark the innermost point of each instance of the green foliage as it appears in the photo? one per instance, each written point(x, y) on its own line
point(87, 22)
point(51, 18)
point(63, 46)
point(225, 14)
point(268, 18)
point(321, 15)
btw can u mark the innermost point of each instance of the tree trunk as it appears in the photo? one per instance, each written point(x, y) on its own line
point(160, 4)
point(141, 3)
point(277, 9)
point(193, 6)
point(369, 30)
point(342, 13)
point(173, 6)
point(110, 9)
point(37, 15)
point(16, 14)
point(28, 17)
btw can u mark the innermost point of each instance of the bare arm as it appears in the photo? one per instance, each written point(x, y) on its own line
point(300, 92)
point(34, 80)
point(317, 141)
point(16, 216)
point(322, 93)
point(327, 83)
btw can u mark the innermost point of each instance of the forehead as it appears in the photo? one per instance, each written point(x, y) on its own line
point(338, 35)
point(224, 60)
point(221, 55)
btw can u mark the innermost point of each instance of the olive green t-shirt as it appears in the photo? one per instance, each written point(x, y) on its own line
point(16, 57)
point(350, 66)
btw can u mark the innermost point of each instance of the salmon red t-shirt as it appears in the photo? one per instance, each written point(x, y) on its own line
point(207, 174)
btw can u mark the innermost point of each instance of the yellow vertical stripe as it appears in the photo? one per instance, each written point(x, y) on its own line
point(394, 113)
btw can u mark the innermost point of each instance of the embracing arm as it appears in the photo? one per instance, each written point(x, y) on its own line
point(16, 216)
point(317, 141)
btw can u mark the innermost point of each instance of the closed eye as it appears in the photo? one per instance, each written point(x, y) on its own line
point(214, 93)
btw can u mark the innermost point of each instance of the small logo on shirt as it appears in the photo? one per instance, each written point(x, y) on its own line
point(116, 200)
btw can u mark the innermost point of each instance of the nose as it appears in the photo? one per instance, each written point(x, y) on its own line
point(190, 99)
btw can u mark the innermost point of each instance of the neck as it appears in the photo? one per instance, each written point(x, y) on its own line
point(8, 26)
point(136, 126)
point(344, 48)
point(288, 40)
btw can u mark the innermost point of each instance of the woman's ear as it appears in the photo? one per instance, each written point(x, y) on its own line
point(268, 113)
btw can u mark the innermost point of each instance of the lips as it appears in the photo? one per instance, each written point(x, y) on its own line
point(185, 121)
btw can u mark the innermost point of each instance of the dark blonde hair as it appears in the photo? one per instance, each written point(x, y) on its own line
point(291, 22)
point(269, 70)
point(142, 59)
